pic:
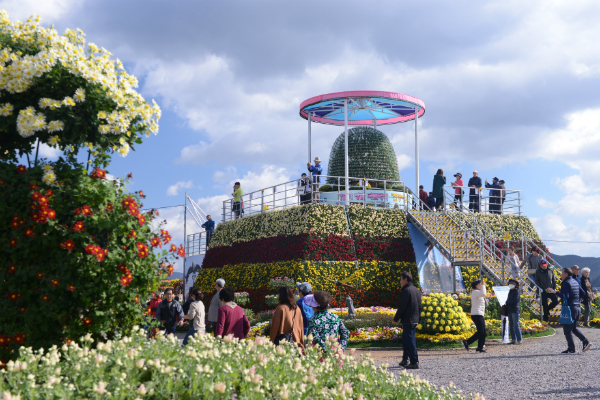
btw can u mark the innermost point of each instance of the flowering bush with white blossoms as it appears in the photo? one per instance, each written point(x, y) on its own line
point(56, 89)
point(207, 368)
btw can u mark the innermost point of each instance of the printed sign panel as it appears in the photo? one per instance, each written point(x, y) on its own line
point(193, 265)
point(370, 196)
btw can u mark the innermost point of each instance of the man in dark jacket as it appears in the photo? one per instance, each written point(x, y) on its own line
point(209, 226)
point(186, 306)
point(494, 197)
point(167, 312)
point(475, 185)
point(408, 314)
point(573, 293)
point(546, 280)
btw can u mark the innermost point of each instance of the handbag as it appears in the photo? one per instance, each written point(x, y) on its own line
point(504, 311)
point(288, 337)
point(565, 313)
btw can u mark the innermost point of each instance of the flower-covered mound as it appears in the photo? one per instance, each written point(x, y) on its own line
point(207, 368)
point(442, 314)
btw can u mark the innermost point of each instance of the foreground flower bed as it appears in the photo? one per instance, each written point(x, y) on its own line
point(207, 368)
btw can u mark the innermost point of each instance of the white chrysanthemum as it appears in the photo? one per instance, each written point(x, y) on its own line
point(124, 150)
point(49, 178)
point(6, 109)
point(47, 168)
point(53, 140)
point(104, 129)
point(29, 122)
point(102, 115)
point(55, 126)
point(68, 101)
point(79, 95)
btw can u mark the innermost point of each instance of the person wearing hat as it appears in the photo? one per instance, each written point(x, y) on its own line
point(546, 280)
point(316, 171)
point(494, 198)
point(502, 191)
point(475, 185)
point(458, 192)
point(304, 182)
point(304, 289)
point(325, 324)
point(423, 196)
point(513, 310)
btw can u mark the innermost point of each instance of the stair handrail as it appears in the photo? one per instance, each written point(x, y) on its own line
point(438, 221)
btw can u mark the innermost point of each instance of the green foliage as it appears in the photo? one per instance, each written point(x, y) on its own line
point(371, 155)
point(509, 223)
point(71, 262)
point(378, 222)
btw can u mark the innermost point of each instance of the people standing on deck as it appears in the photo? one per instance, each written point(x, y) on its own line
point(458, 191)
point(304, 183)
point(494, 198)
point(439, 180)
point(431, 201)
point(316, 171)
point(502, 190)
point(423, 196)
point(475, 185)
point(209, 226)
point(237, 199)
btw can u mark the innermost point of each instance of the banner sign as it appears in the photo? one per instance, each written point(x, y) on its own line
point(193, 266)
point(506, 236)
point(368, 196)
point(501, 294)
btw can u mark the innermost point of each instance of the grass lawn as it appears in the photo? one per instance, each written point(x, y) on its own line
point(425, 344)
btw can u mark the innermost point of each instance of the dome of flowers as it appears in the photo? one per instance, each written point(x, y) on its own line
point(371, 155)
point(441, 313)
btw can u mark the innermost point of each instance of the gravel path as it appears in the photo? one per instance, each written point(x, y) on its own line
point(534, 370)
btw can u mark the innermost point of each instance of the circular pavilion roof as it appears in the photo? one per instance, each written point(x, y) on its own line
point(364, 108)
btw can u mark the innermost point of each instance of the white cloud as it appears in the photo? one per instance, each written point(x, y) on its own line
point(404, 161)
point(545, 203)
point(225, 176)
point(560, 235)
point(173, 190)
point(49, 10)
point(48, 152)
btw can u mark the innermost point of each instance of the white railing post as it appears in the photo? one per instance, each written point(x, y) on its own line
point(224, 210)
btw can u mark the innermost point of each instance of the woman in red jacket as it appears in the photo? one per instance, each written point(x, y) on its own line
point(231, 318)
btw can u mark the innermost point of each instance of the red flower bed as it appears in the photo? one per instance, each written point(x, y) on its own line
point(312, 247)
point(281, 248)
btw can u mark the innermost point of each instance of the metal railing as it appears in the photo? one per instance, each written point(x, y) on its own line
point(508, 203)
point(368, 192)
point(195, 244)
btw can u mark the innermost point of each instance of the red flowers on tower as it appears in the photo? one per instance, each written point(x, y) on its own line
point(142, 250)
point(78, 227)
point(21, 169)
point(12, 269)
point(68, 245)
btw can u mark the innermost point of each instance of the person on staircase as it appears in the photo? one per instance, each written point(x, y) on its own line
point(423, 196)
point(532, 261)
point(431, 201)
point(546, 280)
point(586, 285)
point(513, 262)
point(494, 198)
point(439, 180)
point(513, 309)
point(478, 303)
point(573, 294)
point(458, 191)
point(475, 185)
point(575, 269)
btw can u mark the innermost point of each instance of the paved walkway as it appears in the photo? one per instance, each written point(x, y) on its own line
point(534, 370)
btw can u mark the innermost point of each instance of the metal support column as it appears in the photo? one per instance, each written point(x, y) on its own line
point(185, 241)
point(416, 151)
point(346, 150)
point(309, 138)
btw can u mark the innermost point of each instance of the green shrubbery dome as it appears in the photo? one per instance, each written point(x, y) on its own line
point(371, 155)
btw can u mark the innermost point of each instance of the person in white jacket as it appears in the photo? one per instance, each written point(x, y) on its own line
point(196, 315)
point(477, 313)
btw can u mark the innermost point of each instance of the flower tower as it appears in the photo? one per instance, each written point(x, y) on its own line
point(79, 255)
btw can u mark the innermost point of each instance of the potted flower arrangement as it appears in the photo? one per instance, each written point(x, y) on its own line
point(242, 298)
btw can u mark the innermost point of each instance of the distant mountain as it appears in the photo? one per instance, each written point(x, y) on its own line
point(179, 275)
point(593, 263)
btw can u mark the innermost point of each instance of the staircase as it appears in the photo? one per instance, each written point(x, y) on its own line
point(465, 240)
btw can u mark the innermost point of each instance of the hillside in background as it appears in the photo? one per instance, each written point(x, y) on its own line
point(593, 263)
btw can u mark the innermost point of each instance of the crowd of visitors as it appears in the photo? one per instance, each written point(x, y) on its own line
point(435, 200)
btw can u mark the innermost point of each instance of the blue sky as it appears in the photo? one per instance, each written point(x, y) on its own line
point(510, 88)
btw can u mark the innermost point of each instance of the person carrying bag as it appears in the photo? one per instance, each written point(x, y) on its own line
point(283, 325)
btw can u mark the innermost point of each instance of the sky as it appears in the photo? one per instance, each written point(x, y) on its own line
point(510, 89)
